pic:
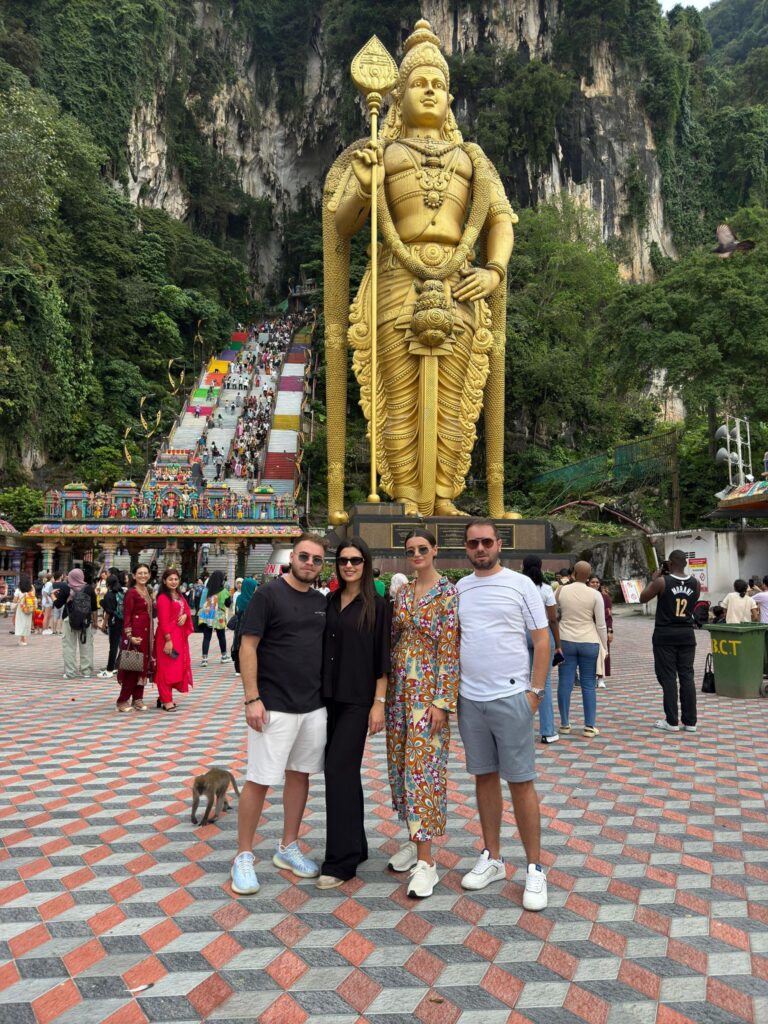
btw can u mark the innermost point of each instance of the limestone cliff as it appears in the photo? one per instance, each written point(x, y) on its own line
point(601, 137)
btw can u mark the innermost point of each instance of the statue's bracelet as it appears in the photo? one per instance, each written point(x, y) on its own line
point(500, 270)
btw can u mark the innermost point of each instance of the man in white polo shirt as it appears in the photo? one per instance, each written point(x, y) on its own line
point(498, 700)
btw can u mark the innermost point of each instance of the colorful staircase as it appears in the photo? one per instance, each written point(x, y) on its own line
point(281, 464)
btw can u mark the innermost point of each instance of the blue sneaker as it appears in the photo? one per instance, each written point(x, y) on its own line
point(244, 880)
point(291, 858)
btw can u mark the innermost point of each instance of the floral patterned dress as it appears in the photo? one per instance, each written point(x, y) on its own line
point(425, 671)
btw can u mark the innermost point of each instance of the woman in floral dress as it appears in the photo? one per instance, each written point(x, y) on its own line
point(422, 694)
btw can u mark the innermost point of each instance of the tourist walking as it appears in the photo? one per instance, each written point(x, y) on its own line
point(212, 614)
point(739, 606)
point(173, 665)
point(604, 660)
point(355, 673)
point(674, 640)
point(582, 633)
point(499, 696)
point(421, 696)
point(281, 658)
point(532, 569)
point(77, 599)
point(242, 601)
point(112, 621)
point(23, 608)
point(138, 636)
point(46, 601)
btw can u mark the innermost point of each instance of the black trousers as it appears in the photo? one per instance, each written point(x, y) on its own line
point(672, 662)
point(115, 631)
point(221, 635)
point(345, 845)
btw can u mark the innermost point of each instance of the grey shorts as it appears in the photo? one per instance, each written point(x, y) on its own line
point(498, 737)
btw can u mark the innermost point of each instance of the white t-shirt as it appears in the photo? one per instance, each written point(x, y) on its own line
point(547, 595)
point(494, 613)
point(761, 600)
point(737, 609)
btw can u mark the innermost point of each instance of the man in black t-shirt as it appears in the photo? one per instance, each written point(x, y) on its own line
point(674, 640)
point(281, 654)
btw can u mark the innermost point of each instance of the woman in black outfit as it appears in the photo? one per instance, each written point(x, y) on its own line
point(112, 606)
point(355, 668)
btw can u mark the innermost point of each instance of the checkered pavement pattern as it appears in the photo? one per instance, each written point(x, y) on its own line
point(114, 908)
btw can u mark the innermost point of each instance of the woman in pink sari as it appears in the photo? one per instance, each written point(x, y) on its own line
point(174, 624)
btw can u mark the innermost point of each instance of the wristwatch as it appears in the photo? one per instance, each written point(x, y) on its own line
point(538, 694)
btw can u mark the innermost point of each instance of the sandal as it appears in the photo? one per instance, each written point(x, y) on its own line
point(139, 705)
point(124, 707)
point(170, 707)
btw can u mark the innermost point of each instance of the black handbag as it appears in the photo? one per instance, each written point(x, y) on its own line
point(708, 680)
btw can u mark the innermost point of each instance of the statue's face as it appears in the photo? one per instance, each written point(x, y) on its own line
point(425, 100)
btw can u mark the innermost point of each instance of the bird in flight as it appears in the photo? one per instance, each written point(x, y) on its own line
point(728, 243)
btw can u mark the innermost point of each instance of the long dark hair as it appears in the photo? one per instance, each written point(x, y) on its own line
point(532, 569)
point(367, 590)
point(215, 583)
point(114, 582)
point(164, 588)
point(740, 586)
point(25, 582)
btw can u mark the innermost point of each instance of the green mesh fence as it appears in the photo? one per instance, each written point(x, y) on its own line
point(630, 463)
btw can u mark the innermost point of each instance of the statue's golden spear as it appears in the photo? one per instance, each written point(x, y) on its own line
point(374, 73)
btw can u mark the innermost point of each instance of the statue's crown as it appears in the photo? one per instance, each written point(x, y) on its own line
point(422, 49)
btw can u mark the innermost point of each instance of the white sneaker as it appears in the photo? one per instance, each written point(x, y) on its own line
point(664, 725)
point(204, 663)
point(688, 728)
point(423, 880)
point(104, 674)
point(485, 871)
point(550, 739)
point(535, 895)
point(404, 859)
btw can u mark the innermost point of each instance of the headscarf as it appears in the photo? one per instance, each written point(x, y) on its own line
point(76, 580)
point(399, 579)
point(247, 591)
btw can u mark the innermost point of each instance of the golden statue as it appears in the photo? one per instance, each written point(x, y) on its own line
point(438, 350)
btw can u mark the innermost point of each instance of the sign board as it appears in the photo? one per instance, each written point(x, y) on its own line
point(450, 535)
point(697, 567)
point(631, 589)
point(272, 569)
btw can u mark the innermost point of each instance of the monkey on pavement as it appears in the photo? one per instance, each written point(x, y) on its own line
point(213, 785)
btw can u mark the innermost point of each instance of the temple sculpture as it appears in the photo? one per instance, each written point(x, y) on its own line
point(446, 236)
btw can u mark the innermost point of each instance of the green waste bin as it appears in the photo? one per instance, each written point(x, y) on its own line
point(738, 654)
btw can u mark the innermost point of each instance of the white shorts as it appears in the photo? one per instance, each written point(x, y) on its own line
point(288, 742)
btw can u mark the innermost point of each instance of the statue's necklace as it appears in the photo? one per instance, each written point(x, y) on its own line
point(433, 172)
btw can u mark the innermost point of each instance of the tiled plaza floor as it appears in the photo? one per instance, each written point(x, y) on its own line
point(115, 908)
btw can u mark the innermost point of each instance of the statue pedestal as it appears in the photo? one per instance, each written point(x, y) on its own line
point(384, 528)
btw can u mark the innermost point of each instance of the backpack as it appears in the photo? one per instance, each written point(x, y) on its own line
point(29, 603)
point(79, 609)
point(119, 598)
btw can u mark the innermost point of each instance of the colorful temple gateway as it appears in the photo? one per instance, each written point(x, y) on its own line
point(188, 512)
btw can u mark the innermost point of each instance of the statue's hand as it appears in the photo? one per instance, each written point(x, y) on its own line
point(478, 283)
point(363, 162)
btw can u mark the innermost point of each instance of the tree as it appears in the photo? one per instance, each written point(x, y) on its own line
point(21, 506)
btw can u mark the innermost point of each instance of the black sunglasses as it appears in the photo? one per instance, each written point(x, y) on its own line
point(475, 542)
point(350, 560)
point(314, 559)
point(412, 552)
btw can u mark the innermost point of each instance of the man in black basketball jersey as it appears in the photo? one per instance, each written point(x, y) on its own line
point(674, 640)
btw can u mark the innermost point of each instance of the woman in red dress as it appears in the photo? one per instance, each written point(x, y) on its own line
point(138, 634)
point(174, 624)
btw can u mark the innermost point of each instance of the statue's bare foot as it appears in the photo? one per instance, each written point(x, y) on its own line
point(447, 508)
point(409, 507)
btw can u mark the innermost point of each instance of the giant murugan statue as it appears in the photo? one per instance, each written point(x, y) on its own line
point(441, 316)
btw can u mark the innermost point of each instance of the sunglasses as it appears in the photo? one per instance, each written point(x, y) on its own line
point(314, 559)
point(412, 552)
point(476, 542)
point(350, 560)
